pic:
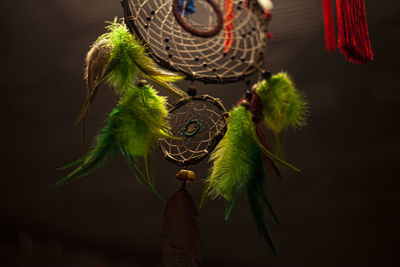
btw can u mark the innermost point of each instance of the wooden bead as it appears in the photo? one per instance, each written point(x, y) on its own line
point(244, 102)
point(185, 175)
point(142, 83)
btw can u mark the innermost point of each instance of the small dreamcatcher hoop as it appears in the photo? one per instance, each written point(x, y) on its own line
point(214, 41)
point(197, 123)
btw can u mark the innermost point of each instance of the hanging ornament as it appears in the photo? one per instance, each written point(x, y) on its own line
point(330, 40)
point(225, 46)
point(353, 36)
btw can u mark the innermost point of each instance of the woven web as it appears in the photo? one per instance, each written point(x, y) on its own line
point(201, 58)
point(211, 117)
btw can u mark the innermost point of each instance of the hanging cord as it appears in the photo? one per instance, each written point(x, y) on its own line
point(192, 91)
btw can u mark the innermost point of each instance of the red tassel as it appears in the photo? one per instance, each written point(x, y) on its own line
point(330, 42)
point(353, 37)
point(228, 23)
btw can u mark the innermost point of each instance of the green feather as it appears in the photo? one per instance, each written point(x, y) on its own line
point(128, 55)
point(76, 162)
point(118, 57)
point(274, 157)
point(238, 165)
point(256, 185)
point(257, 209)
point(232, 165)
point(228, 208)
point(263, 197)
point(132, 128)
point(104, 144)
point(138, 125)
point(138, 173)
point(283, 105)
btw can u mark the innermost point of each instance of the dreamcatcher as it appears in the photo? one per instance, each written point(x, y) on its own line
point(213, 41)
point(217, 41)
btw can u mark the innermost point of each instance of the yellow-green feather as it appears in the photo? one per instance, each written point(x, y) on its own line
point(232, 158)
point(128, 57)
point(132, 128)
point(141, 120)
point(103, 145)
point(122, 71)
point(283, 105)
point(238, 166)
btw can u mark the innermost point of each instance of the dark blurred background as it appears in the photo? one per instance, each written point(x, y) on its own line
point(342, 210)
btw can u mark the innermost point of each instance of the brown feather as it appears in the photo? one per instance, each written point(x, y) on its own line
point(256, 108)
point(89, 99)
point(97, 68)
point(268, 163)
point(97, 61)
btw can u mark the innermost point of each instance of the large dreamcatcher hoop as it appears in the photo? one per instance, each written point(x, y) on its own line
point(215, 41)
